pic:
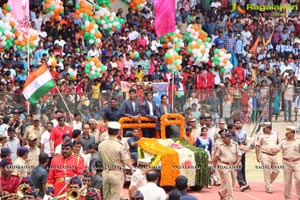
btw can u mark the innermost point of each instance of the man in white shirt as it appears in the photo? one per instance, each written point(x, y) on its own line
point(151, 191)
point(93, 52)
point(133, 35)
point(246, 36)
point(45, 140)
point(13, 142)
point(60, 41)
point(38, 21)
point(77, 124)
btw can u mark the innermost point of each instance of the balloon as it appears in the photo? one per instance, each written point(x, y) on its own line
point(107, 20)
point(94, 68)
point(173, 61)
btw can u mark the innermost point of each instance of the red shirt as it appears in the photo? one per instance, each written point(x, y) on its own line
point(57, 133)
point(240, 72)
point(10, 184)
point(62, 169)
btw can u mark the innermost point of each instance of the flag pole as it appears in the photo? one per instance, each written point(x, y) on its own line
point(63, 99)
point(28, 63)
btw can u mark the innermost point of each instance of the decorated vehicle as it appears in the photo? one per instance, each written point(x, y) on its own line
point(172, 156)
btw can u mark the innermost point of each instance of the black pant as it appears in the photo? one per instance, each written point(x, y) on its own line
point(241, 176)
point(148, 132)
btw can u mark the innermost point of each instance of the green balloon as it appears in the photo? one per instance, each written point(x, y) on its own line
point(118, 28)
point(167, 55)
point(121, 20)
point(190, 50)
point(136, 55)
point(51, 8)
point(91, 76)
point(77, 6)
point(96, 7)
point(138, 7)
point(217, 51)
point(91, 18)
point(98, 21)
point(170, 70)
point(216, 63)
point(208, 39)
point(103, 68)
point(98, 74)
point(176, 62)
point(179, 94)
point(222, 70)
point(7, 8)
point(162, 40)
point(88, 66)
point(177, 49)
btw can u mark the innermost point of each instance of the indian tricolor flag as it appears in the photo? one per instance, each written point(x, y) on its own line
point(38, 84)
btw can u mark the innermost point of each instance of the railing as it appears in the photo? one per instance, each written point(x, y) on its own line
point(250, 105)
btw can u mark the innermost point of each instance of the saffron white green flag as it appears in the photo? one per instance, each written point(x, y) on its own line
point(38, 84)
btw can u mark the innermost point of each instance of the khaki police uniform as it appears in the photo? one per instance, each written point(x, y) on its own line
point(20, 167)
point(112, 152)
point(267, 143)
point(291, 163)
point(228, 156)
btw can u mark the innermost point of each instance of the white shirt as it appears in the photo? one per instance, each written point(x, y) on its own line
point(38, 23)
point(93, 53)
point(246, 36)
point(45, 140)
point(77, 125)
point(133, 35)
point(13, 145)
point(60, 43)
point(150, 108)
point(152, 192)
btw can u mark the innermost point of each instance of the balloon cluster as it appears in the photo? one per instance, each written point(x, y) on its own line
point(199, 51)
point(136, 5)
point(94, 68)
point(90, 31)
point(133, 55)
point(103, 3)
point(108, 21)
point(221, 59)
point(173, 61)
point(73, 74)
point(193, 32)
point(7, 30)
point(22, 39)
point(54, 9)
point(172, 40)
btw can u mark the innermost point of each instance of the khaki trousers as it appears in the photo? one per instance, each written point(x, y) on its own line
point(112, 184)
point(291, 168)
point(270, 169)
point(227, 182)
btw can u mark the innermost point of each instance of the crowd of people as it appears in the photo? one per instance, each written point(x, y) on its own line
point(263, 82)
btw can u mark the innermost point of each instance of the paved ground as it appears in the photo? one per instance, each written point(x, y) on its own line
point(256, 192)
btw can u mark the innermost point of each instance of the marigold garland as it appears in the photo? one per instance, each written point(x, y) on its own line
point(156, 161)
point(171, 119)
point(127, 122)
point(169, 159)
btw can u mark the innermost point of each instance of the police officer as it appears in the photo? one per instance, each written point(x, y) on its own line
point(267, 147)
point(113, 154)
point(291, 161)
point(138, 178)
point(228, 156)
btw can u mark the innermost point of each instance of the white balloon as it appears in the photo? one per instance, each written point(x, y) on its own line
point(91, 41)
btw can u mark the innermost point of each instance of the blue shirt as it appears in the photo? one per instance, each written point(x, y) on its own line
point(186, 196)
point(130, 141)
point(242, 136)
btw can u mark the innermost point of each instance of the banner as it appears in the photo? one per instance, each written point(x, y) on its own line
point(125, 86)
point(160, 89)
point(20, 12)
point(164, 16)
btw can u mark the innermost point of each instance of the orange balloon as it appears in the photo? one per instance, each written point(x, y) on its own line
point(53, 64)
point(22, 43)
